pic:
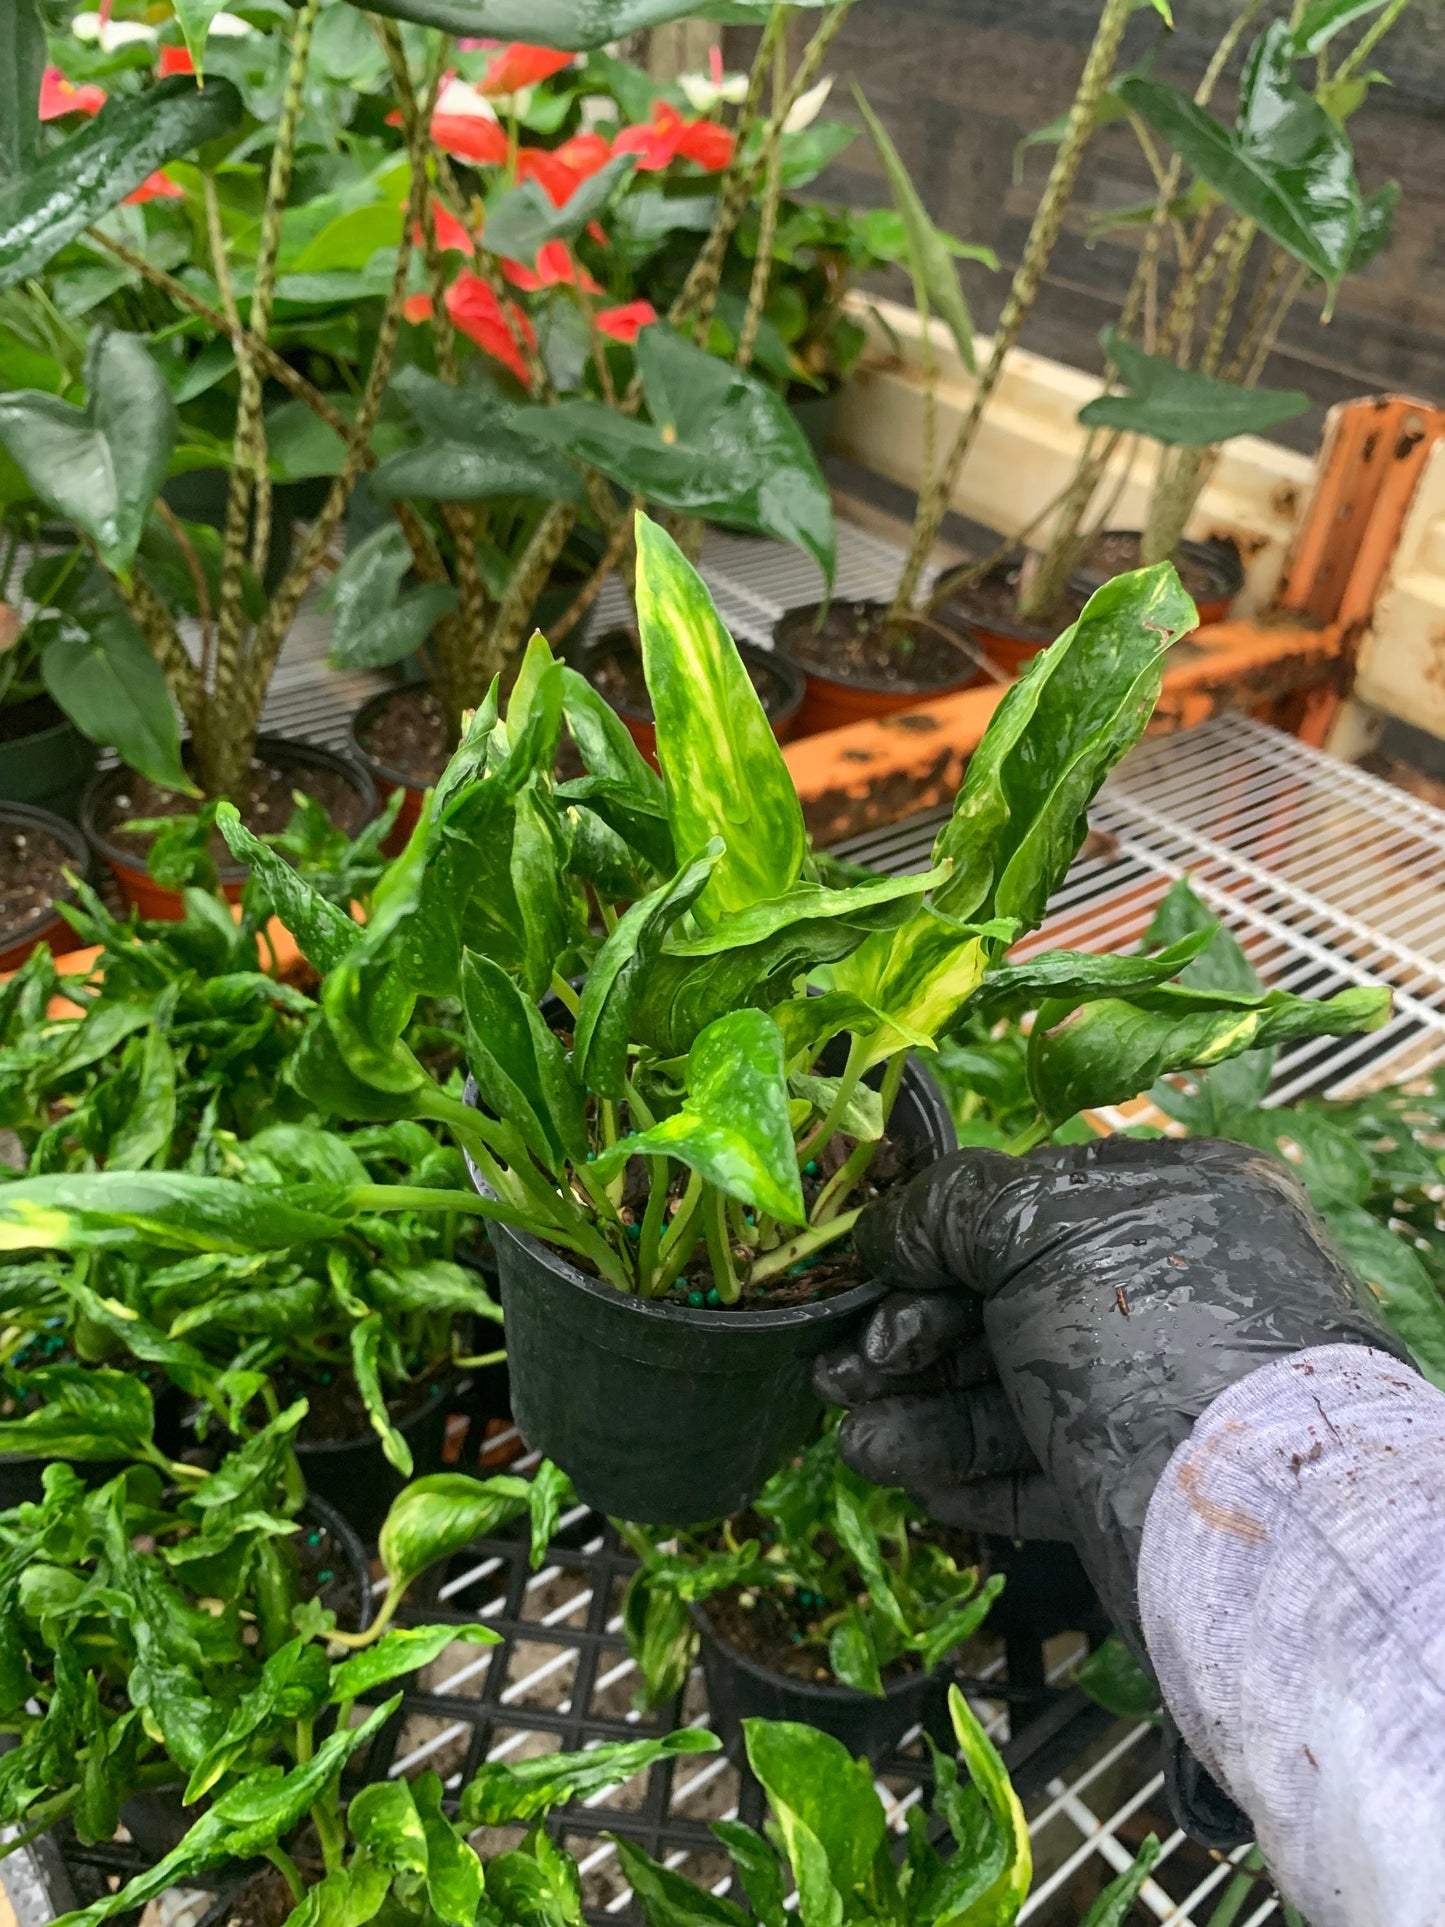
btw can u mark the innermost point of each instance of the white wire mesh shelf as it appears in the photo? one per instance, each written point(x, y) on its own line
point(1328, 878)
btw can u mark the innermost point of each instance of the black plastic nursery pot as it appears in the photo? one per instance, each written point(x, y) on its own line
point(739, 1688)
point(155, 1819)
point(45, 761)
point(659, 1412)
point(356, 1477)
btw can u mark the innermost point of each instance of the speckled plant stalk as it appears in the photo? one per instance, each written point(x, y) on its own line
point(220, 757)
point(933, 502)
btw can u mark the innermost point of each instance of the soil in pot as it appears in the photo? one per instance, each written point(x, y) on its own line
point(678, 1412)
point(36, 849)
point(44, 759)
point(612, 663)
point(341, 1456)
point(276, 771)
point(857, 668)
point(401, 739)
point(988, 608)
point(756, 1667)
point(1211, 572)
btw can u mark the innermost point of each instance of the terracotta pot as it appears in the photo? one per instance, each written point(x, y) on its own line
point(1010, 643)
point(17, 944)
point(135, 883)
point(832, 702)
point(1219, 555)
point(386, 779)
point(784, 716)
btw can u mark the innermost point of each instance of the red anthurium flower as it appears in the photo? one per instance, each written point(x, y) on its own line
point(655, 144)
point(450, 232)
point(477, 312)
point(596, 232)
point(585, 154)
point(708, 143)
point(554, 265)
point(158, 187)
point(177, 60)
point(470, 139)
point(556, 180)
point(58, 96)
point(417, 307)
point(466, 125)
point(627, 322)
point(519, 66)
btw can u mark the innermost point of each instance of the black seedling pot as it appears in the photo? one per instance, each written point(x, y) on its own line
point(739, 1688)
point(155, 1818)
point(355, 1475)
point(659, 1412)
point(20, 1472)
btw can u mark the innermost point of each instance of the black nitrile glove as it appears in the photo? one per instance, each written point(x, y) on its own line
point(1059, 1323)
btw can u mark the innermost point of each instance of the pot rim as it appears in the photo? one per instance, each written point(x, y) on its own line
point(1217, 552)
point(970, 672)
point(1009, 627)
point(306, 755)
point(702, 1317)
point(71, 838)
point(806, 1689)
point(786, 670)
point(373, 765)
point(345, 1534)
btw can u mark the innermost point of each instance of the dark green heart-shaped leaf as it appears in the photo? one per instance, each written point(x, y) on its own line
point(721, 445)
point(1285, 164)
point(92, 172)
point(100, 467)
point(525, 218)
point(1181, 407)
point(111, 687)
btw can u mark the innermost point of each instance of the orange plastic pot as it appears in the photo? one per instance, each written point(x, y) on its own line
point(1008, 643)
point(764, 665)
point(832, 702)
point(52, 929)
point(138, 888)
point(1219, 555)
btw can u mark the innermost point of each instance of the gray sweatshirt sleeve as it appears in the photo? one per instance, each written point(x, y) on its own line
point(1292, 1592)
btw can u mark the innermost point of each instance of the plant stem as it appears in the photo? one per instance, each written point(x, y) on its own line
point(932, 504)
point(861, 1156)
point(678, 1240)
point(565, 994)
point(767, 212)
point(1027, 1139)
point(815, 1145)
point(719, 1246)
point(288, 1870)
point(803, 1246)
point(227, 759)
point(1371, 39)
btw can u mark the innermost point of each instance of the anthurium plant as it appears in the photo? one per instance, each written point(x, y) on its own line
point(673, 1108)
point(247, 308)
point(171, 1056)
point(846, 1576)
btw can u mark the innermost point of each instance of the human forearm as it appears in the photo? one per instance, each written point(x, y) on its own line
point(1292, 1594)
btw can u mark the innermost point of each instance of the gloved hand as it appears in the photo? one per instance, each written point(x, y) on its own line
point(1059, 1323)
